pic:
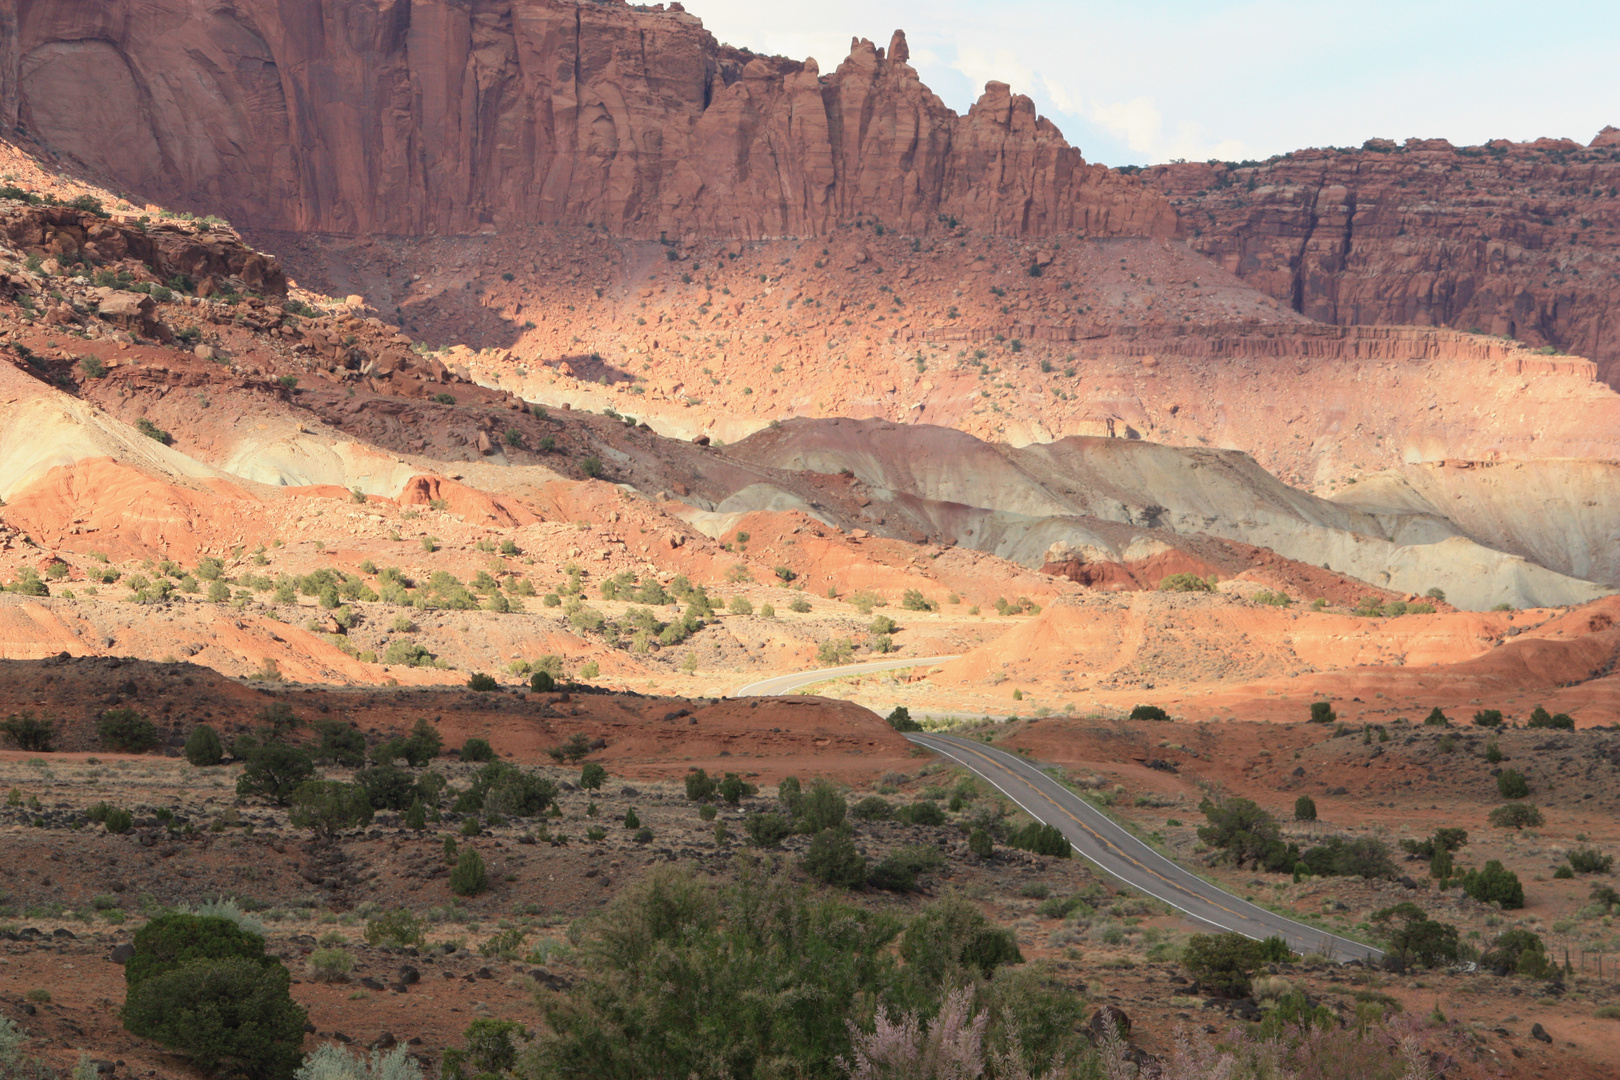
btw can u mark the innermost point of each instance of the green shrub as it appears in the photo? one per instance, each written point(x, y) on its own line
point(416, 815)
point(397, 928)
point(1586, 860)
point(1436, 718)
point(1415, 938)
point(1223, 963)
point(1322, 712)
point(733, 788)
point(126, 731)
point(1304, 808)
point(1491, 718)
point(1186, 582)
point(872, 808)
point(700, 786)
point(331, 965)
point(341, 743)
point(203, 747)
point(386, 787)
point(491, 1050)
point(481, 683)
point(1042, 839)
point(274, 771)
point(329, 807)
point(1540, 718)
point(468, 878)
point(823, 807)
point(1517, 816)
point(29, 732)
point(476, 749)
point(229, 1015)
point(1494, 884)
point(592, 775)
point(833, 859)
point(767, 830)
point(1512, 784)
point(1149, 712)
point(171, 940)
point(926, 812)
point(914, 600)
point(952, 938)
point(900, 719)
point(118, 821)
point(1507, 953)
point(1247, 833)
point(980, 844)
point(799, 604)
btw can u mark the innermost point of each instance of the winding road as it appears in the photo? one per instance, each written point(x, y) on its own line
point(1093, 834)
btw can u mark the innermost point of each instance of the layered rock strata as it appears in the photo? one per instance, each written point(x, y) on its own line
point(435, 117)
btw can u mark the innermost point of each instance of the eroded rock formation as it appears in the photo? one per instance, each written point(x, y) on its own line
point(1508, 238)
point(453, 117)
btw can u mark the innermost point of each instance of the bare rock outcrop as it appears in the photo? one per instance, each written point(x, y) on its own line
point(448, 117)
point(1515, 239)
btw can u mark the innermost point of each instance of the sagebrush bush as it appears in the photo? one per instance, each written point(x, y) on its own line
point(397, 928)
point(330, 1062)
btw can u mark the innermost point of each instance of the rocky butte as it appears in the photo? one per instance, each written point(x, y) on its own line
point(1513, 239)
point(380, 116)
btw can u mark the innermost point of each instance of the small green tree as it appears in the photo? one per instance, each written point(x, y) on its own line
point(229, 1015)
point(1494, 884)
point(733, 788)
point(203, 747)
point(542, 682)
point(476, 749)
point(1436, 718)
point(951, 938)
point(1512, 784)
point(1490, 718)
point(481, 683)
point(1304, 808)
point(328, 807)
point(1322, 712)
point(1517, 816)
point(766, 830)
point(1149, 712)
point(468, 878)
point(416, 816)
point(1415, 938)
point(491, 1050)
point(274, 771)
point(29, 732)
point(833, 859)
point(1224, 963)
point(126, 731)
point(631, 821)
point(900, 719)
point(700, 786)
point(592, 775)
point(824, 807)
point(980, 844)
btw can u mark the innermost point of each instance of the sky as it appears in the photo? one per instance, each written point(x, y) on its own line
point(1137, 82)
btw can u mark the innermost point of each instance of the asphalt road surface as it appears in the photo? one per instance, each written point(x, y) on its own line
point(1095, 836)
point(1091, 832)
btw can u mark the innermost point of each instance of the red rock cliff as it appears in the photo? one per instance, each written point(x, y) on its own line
point(1514, 239)
point(448, 116)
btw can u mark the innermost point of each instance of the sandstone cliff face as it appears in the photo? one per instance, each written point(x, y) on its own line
point(450, 116)
point(1510, 239)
